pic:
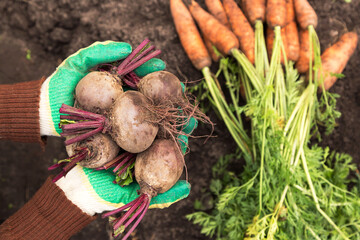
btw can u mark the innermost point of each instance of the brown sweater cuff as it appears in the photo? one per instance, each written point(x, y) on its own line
point(19, 111)
point(48, 215)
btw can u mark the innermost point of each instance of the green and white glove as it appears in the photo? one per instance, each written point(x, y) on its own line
point(94, 191)
point(59, 87)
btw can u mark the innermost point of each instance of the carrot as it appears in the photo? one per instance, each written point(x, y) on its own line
point(302, 65)
point(292, 40)
point(255, 10)
point(210, 48)
point(335, 58)
point(305, 14)
point(290, 11)
point(270, 36)
point(189, 35)
point(216, 8)
point(222, 37)
point(276, 13)
point(242, 29)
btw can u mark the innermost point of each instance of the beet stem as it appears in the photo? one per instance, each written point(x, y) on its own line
point(129, 82)
point(130, 204)
point(133, 78)
point(66, 109)
point(75, 159)
point(82, 125)
point(137, 213)
point(133, 54)
point(142, 54)
point(56, 165)
point(70, 117)
point(147, 201)
point(83, 136)
point(114, 162)
point(127, 166)
point(69, 133)
point(127, 214)
point(127, 158)
point(139, 63)
point(60, 175)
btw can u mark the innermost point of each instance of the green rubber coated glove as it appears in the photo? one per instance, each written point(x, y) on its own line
point(94, 191)
point(59, 87)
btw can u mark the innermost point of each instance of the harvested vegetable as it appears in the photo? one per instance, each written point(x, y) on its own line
point(255, 10)
point(216, 8)
point(290, 11)
point(97, 91)
point(335, 58)
point(161, 86)
point(302, 65)
point(305, 14)
point(210, 47)
point(292, 41)
point(276, 13)
point(95, 152)
point(189, 35)
point(241, 28)
point(156, 170)
point(133, 126)
point(223, 39)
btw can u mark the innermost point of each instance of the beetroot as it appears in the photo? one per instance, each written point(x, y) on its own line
point(97, 91)
point(93, 152)
point(156, 170)
point(132, 123)
point(161, 86)
point(102, 149)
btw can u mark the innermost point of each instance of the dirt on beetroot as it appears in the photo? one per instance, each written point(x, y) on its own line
point(36, 35)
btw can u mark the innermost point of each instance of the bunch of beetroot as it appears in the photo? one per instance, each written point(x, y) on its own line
point(111, 128)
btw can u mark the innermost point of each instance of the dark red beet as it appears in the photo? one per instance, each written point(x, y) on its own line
point(156, 170)
point(132, 123)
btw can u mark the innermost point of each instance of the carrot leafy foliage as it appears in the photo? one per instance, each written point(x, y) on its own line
point(290, 187)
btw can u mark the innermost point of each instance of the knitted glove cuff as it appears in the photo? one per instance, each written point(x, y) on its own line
point(79, 191)
point(46, 122)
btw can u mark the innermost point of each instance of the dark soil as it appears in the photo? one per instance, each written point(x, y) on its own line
point(36, 35)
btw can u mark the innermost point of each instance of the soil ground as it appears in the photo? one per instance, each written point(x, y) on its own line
point(36, 35)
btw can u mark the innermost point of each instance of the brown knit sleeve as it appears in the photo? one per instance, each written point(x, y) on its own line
point(48, 215)
point(19, 111)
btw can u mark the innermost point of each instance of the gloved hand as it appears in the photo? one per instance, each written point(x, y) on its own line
point(59, 87)
point(94, 191)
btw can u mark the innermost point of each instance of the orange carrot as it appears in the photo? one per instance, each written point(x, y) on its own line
point(302, 65)
point(242, 29)
point(276, 13)
point(210, 48)
point(270, 36)
point(255, 10)
point(290, 11)
point(189, 35)
point(305, 14)
point(335, 58)
point(216, 8)
point(222, 37)
point(292, 40)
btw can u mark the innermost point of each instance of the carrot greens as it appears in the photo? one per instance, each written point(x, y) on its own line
point(290, 187)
